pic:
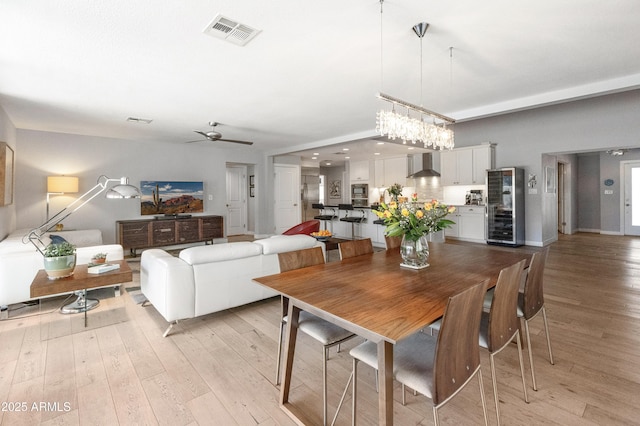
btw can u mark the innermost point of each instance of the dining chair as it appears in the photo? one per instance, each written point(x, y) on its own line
point(500, 325)
point(353, 248)
point(531, 303)
point(323, 331)
point(392, 242)
point(437, 367)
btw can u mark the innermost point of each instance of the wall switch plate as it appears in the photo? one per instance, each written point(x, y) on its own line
point(210, 197)
point(608, 191)
point(533, 191)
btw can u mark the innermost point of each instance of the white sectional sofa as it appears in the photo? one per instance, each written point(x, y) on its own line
point(20, 262)
point(212, 278)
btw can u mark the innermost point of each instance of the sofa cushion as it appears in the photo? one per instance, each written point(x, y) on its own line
point(220, 252)
point(283, 243)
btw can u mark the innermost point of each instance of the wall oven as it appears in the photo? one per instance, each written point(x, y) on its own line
point(360, 195)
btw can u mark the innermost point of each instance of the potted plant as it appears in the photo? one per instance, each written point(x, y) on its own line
point(99, 258)
point(59, 260)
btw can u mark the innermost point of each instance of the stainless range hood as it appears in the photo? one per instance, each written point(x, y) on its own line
point(423, 166)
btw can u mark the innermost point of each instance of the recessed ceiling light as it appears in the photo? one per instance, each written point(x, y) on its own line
point(376, 153)
point(380, 143)
point(347, 158)
point(410, 147)
point(316, 153)
point(345, 149)
point(314, 158)
point(327, 164)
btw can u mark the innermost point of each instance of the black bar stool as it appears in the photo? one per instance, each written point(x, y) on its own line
point(324, 217)
point(351, 219)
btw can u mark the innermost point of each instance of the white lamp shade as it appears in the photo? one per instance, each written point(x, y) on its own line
point(66, 184)
point(123, 191)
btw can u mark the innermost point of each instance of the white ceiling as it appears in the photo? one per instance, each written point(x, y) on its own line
point(310, 76)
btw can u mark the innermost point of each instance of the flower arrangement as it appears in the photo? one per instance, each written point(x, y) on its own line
point(395, 191)
point(414, 219)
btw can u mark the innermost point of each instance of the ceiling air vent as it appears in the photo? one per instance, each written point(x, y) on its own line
point(230, 30)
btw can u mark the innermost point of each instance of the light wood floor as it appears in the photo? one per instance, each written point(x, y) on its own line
point(219, 369)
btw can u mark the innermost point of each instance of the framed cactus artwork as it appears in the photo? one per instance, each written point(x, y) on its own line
point(171, 197)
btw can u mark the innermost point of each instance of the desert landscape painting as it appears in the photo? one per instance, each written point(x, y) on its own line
point(171, 198)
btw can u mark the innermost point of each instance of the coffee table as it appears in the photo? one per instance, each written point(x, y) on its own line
point(332, 243)
point(80, 280)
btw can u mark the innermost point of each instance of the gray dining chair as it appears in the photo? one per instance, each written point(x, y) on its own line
point(531, 303)
point(326, 333)
point(437, 367)
point(392, 242)
point(354, 248)
point(499, 326)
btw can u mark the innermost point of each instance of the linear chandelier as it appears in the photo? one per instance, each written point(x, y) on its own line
point(432, 133)
point(415, 130)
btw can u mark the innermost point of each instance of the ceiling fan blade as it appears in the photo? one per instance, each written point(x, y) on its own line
point(202, 133)
point(197, 140)
point(235, 141)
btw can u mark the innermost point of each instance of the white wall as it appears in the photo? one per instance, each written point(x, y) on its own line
point(8, 213)
point(44, 153)
point(522, 138)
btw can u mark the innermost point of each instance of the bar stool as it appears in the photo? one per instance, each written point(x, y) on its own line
point(351, 219)
point(325, 217)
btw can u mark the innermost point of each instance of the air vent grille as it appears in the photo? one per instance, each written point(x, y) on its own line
point(227, 29)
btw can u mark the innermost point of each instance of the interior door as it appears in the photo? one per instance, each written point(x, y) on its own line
point(236, 200)
point(287, 197)
point(632, 198)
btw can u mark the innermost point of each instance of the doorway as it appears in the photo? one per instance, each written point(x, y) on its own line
point(236, 202)
point(632, 198)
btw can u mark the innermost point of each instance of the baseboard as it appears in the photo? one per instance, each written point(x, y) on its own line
point(611, 233)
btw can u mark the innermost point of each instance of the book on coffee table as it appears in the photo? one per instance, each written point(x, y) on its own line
point(99, 269)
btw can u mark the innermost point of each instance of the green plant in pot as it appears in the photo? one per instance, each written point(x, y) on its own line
point(59, 260)
point(99, 258)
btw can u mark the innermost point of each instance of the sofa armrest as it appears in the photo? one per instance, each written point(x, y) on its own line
point(168, 283)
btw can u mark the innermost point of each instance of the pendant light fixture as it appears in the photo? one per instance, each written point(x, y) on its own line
point(412, 126)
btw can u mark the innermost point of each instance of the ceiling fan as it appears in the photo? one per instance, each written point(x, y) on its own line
point(214, 136)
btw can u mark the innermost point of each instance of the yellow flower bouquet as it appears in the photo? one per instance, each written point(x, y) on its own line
point(413, 219)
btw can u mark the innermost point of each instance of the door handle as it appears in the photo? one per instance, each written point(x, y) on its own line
point(295, 205)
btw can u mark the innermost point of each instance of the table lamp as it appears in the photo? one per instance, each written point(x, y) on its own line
point(58, 185)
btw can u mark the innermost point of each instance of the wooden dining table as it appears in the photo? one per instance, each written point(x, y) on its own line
point(375, 298)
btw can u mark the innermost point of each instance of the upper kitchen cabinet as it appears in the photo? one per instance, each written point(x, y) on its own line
point(466, 166)
point(389, 171)
point(359, 171)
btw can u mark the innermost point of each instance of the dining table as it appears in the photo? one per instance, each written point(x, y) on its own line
point(376, 298)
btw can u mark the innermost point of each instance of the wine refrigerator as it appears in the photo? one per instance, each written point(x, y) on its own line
point(505, 206)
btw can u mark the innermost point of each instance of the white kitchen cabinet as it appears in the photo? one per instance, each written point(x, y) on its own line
point(378, 174)
point(466, 166)
point(359, 171)
point(389, 171)
point(469, 224)
point(472, 223)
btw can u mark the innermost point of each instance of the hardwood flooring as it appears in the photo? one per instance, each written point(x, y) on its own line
point(219, 369)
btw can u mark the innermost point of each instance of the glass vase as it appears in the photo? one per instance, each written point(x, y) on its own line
point(415, 253)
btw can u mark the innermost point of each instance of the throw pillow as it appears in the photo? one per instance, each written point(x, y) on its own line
point(57, 239)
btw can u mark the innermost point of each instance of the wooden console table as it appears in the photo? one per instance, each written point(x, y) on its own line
point(157, 232)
